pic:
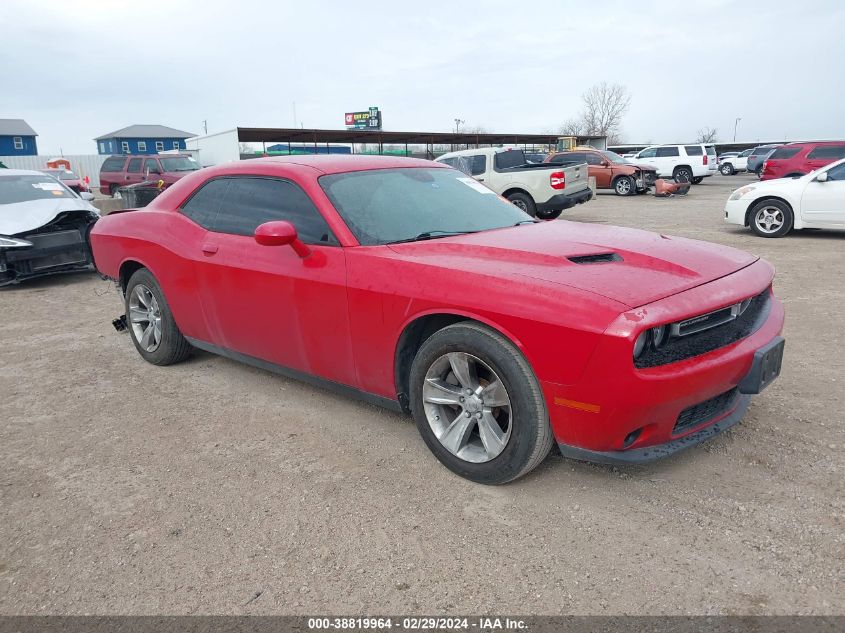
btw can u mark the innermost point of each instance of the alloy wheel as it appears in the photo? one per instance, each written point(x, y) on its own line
point(145, 318)
point(467, 407)
point(769, 219)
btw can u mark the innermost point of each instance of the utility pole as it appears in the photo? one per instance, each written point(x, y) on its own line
point(458, 125)
point(736, 122)
point(205, 126)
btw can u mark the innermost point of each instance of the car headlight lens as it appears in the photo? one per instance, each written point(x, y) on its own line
point(13, 242)
point(641, 343)
point(736, 195)
point(655, 337)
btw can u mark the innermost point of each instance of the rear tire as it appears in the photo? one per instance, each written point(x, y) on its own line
point(524, 202)
point(624, 186)
point(515, 410)
point(150, 322)
point(771, 218)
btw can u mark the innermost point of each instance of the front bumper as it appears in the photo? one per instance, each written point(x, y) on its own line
point(735, 211)
point(615, 408)
point(56, 252)
point(564, 201)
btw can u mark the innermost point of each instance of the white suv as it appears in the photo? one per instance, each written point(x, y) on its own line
point(690, 163)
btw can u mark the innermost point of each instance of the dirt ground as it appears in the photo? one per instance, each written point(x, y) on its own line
point(212, 487)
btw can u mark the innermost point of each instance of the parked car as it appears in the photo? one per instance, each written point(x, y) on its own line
point(119, 171)
point(540, 190)
point(685, 163)
point(610, 170)
point(797, 159)
point(730, 165)
point(68, 178)
point(407, 284)
point(773, 208)
point(44, 226)
point(757, 156)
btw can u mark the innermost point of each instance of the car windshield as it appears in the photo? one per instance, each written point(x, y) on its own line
point(391, 205)
point(67, 175)
point(179, 163)
point(15, 188)
point(613, 157)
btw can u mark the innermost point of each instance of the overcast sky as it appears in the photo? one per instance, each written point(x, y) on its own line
point(76, 70)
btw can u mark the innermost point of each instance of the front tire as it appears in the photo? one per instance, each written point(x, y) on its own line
point(478, 405)
point(624, 186)
point(727, 169)
point(771, 218)
point(524, 202)
point(682, 174)
point(151, 325)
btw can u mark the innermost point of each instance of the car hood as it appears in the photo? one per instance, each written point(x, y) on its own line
point(20, 217)
point(644, 166)
point(645, 266)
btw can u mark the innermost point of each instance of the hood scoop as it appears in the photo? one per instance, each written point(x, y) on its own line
point(597, 258)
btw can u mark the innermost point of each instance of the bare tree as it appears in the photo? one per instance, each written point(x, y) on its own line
point(475, 129)
point(604, 105)
point(571, 127)
point(244, 148)
point(707, 135)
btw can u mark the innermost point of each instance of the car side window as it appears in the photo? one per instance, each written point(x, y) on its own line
point(113, 164)
point(836, 173)
point(745, 153)
point(648, 153)
point(134, 166)
point(251, 201)
point(203, 205)
point(828, 151)
point(449, 161)
point(151, 166)
point(663, 152)
point(478, 165)
point(693, 150)
point(593, 159)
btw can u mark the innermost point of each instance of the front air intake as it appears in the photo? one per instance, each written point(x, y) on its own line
point(598, 258)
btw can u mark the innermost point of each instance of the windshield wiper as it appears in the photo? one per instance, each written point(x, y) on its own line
point(430, 235)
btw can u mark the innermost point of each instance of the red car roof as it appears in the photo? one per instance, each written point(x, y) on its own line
point(338, 163)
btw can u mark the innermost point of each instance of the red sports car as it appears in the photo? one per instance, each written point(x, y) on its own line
point(408, 284)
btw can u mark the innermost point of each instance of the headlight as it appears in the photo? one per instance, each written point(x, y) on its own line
point(655, 337)
point(736, 195)
point(13, 242)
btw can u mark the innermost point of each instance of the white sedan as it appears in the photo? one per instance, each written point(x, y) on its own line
point(772, 208)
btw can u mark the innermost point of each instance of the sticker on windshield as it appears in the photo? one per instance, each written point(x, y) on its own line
point(474, 184)
point(47, 186)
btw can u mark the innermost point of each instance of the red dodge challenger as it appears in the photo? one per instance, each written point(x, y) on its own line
point(412, 286)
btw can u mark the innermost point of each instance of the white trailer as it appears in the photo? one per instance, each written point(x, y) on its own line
point(214, 149)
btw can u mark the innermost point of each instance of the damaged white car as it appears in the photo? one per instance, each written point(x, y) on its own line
point(44, 226)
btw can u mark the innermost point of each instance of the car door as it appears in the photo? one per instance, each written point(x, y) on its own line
point(134, 171)
point(600, 169)
point(267, 302)
point(823, 203)
point(649, 157)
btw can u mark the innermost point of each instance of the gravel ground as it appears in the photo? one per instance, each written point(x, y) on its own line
point(212, 487)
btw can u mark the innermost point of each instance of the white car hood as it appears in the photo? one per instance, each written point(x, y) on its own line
point(20, 217)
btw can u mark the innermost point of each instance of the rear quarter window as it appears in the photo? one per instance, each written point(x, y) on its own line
point(113, 164)
point(694, 150)
point(784, 152)
point(828, 151)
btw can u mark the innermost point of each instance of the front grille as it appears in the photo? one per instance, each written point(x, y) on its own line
point(704, 411)
point(598, 258)
point(695, 344)
point(649, 177)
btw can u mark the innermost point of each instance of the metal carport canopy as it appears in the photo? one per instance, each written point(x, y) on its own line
point(297, 135)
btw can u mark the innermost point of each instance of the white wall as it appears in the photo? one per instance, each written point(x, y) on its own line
point(216, 148)
point(82, 164)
